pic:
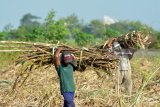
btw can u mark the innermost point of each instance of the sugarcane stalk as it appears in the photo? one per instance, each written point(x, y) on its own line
point(17, 50)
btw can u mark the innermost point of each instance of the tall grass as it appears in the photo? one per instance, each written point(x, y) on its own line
point(141, 89)
point(7, 59)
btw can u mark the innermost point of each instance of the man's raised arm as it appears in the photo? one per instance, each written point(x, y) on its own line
point(56, 57)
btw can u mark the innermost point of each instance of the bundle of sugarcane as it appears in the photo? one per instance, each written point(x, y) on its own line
point(43, 56)
point(132, 40)
point(135, 39)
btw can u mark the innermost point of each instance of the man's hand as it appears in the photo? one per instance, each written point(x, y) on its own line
point(110, 42)
point(132, 51)
point(56, 57)
point(60, 49)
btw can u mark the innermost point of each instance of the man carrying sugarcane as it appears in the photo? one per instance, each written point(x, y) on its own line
point(124, 65)
point(65, 68)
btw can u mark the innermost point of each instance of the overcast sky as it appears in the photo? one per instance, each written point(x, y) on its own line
point(147, 11)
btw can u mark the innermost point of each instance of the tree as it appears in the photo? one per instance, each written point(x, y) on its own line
point(72, 22)
point(28, 24)
point(111, 33)
point(55, 30)
point(95, 27)
point(8, 28)
point(29, 21)
point(83, 39)
point(123, 27)
point(3, 35)
point(155, 40)
point(137, 25)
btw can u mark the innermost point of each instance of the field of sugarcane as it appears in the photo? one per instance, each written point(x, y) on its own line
point(28, 77)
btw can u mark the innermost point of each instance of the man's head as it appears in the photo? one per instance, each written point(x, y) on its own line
point(116, 46)
point(66, 57)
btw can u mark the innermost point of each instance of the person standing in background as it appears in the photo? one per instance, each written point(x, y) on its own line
point(124, 65)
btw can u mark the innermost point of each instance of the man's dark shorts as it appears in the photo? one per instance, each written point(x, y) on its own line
point(68, 99)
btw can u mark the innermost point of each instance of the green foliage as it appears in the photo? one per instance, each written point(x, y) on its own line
point(157, 40)
point(95, 27)
point(158, 36)
point(111, 33)
point(62, 31)
point(20, 34)
point(8, 28)
point(117, 29)
point(37, 34)
point(32, 30)
point(55, 30)
point(83, 39)
point(123, 27)
point(137, 25)
point(29, 22)
point(72, 22)
point(3, 35)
